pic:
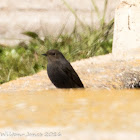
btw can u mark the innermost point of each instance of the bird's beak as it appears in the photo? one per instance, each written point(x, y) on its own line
point(44, 54)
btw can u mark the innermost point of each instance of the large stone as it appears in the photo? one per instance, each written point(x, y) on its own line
point(127, 30)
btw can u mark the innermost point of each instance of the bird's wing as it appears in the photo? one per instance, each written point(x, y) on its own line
point(70, 72)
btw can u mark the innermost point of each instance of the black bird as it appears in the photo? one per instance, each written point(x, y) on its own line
point(60, 71)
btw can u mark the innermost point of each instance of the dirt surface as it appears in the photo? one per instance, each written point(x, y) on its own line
point(101, 72)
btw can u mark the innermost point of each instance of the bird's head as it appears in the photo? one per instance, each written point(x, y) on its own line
point(54, 55)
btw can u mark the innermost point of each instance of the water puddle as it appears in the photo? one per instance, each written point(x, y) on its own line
point(80, 111)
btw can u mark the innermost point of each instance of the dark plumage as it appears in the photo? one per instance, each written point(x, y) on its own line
point(60, 71)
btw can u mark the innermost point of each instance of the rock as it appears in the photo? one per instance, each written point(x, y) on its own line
point(126, 43)
point(101, 72)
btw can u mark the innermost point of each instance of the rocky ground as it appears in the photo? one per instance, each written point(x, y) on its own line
point(101, 72)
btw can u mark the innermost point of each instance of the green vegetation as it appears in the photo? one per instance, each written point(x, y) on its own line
point(26, 59)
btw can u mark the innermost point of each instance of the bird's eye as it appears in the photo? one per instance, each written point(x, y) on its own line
point(53, 53)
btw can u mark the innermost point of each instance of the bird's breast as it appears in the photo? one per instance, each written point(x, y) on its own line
point(56, 73)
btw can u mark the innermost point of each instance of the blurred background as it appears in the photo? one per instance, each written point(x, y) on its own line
point(79, 29)
point(48, 17)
